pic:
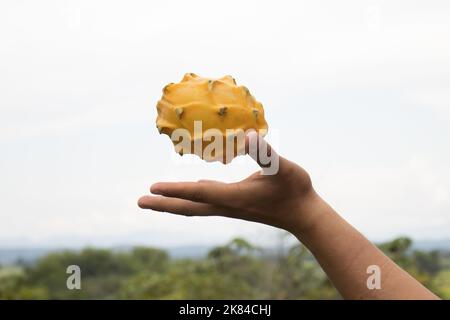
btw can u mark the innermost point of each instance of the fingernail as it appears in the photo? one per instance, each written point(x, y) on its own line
point(155, 190)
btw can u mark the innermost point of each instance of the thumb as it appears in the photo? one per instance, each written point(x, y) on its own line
point(263, 153)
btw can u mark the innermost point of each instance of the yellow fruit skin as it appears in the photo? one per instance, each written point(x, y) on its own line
point(218, 103)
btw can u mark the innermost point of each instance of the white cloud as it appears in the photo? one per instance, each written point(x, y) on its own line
point(412, 197)
point(435, 98)
point(356, 90)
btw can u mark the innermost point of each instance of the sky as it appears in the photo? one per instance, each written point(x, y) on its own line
point(356, 92)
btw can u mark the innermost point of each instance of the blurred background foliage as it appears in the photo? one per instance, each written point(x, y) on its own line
point(236, 270)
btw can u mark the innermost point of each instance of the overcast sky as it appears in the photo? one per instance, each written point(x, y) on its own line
point(357, 92)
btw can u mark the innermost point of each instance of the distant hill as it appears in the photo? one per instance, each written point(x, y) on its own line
point(426, 245)
point(27, 255)
point(30, 255)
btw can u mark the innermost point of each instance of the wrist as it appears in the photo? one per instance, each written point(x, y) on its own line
point(311, 212)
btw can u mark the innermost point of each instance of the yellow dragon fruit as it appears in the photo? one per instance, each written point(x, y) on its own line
point(209, 111)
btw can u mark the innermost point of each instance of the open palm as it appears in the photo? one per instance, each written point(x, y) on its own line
point(271, 199)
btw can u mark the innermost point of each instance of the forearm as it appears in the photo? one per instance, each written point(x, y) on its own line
point(345, 254)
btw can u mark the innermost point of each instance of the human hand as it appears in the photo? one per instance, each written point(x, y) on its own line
point(287, 200)
point(283, 200)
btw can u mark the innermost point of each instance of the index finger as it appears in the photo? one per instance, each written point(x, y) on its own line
point(213, 192)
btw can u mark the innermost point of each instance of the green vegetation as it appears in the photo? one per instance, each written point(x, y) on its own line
point(237, 270)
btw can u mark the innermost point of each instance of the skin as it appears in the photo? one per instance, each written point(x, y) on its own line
point(287, 200)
